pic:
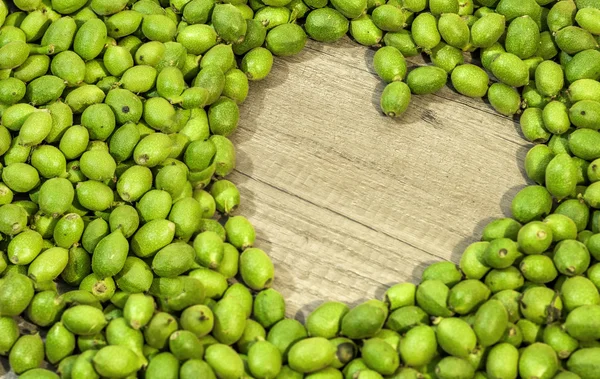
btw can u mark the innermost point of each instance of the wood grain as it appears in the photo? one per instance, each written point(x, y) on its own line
point(347, 201)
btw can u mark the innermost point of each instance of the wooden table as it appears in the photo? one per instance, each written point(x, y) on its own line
point(347, 201)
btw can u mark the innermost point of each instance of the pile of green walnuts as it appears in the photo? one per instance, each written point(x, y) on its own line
point(122, 255)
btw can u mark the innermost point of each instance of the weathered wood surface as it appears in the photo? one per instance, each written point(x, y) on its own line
point(347, 201)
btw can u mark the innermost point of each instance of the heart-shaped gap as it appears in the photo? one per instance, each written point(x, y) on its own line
point(347, 201)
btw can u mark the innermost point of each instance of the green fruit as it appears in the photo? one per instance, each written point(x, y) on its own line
point(97, 165)
point(555, 117)
point(425, 80)
point(160, 115)
point(110, 255)
point(446, 57)
point(198, 11)
point(229, 23)
point(84, 320)
point(285, 40)
point(549, 78)
point(154, 204)
point(117, 60)
point(522, 37)
point(419, 346)
point(35, 129)
point(452, 367)
point(24, 247)
point(470, 80)
point(45, 89)
point(27, 353)
point(126, 106)
point(541, 305)
point(502, 361)
point(454, 30)
point(95, 196)
point(159, 28)
point(531, 203)
point(272, 16)
point(198, 319)
point(139, 79)
point(240, 232)
point(538, 361)
point(425, 31)
point(432, 297)
point(584, 362)
point(123, 23)
point(585, 114)
point(456, 337)
point(13, 54)
point(264, 359)
point(17, 292)
point(510, 70)
point(152, 237)
point(561, 15)
point(48, 265)
point(256, 269)
point(402, 41)
point(389, 64)
point(583, 65)
point(389, 18)
point(504, 99)
point(116, 361)
point(49, 161)
point(13, 219)
point(573, 39)
point(209, 249)
point(268, 307)
point(78, 267)
point(20, 177)
point(173, 260)
point(326, 25)
point(364, 320)
point(163, 365)
point(33, 67)
point(224, 361)
point(561, 176)
point(223, 117)
point(311, 354)
point(137, 180)
point(256, 64)
point(491, 320)
point(487, 30)
point(84, 96)
point(194, 367)
point(68, 230)
point(467, 295)
point(90, 38)
point(10, 334)
point(399, 295)
point(283, 335)
point(571, 257)
point(446, 272)
point(135, 276)
point(255, 36)
point(11, 90)
point(60, 343)
point(581, 322)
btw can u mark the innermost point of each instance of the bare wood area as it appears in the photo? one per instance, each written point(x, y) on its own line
point(347, 201)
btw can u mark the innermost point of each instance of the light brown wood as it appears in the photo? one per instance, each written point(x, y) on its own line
point(347, 201)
